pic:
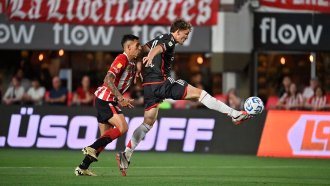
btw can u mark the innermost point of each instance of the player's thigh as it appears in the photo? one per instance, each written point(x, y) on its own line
point(193, 93)
point(118, 120)
point(150, 116)
point(176, 90)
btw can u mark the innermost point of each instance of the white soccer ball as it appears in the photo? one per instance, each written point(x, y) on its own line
point(253, 105)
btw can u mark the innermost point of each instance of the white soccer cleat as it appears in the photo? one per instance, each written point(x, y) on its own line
point(83, 172)
point(90, 152)
point(241, 117)
point(123, 163)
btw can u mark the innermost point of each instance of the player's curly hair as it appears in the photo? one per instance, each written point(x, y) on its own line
point(180, 24)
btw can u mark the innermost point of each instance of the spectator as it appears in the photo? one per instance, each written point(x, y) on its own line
point(291, 100)
point(318, 101)
point(196, 81)
point(285, 86)
point(58, 94)
point(309, 91)
point(25, 82)
point(233, 100)
point(137, 95)
point(84, 93)
point(35, 94)
point(45, 78)
point(14, 92)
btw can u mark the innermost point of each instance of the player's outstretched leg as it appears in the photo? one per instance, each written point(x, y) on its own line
point(210, 102)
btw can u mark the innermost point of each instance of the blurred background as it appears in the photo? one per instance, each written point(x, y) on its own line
point(277, 50)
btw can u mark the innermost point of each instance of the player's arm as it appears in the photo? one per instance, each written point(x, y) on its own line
point(152, 53)
point(109, 80)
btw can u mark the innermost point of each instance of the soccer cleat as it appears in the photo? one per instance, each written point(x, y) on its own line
point(123, 163)
point(241, 117)
point(89, 151)
point(83, 172)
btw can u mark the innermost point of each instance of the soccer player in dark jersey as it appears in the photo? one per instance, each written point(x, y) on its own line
point(111, 120)
point(158, 85)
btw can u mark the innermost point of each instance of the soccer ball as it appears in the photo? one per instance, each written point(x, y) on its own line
point(253, 105)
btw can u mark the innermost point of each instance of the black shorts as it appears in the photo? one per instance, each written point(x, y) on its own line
point(156, 93)
point(105, 110)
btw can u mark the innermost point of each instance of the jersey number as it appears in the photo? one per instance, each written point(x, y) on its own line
point(154, 44)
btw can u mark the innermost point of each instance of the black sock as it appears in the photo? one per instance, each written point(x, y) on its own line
point(86, 162)
point(101, 142)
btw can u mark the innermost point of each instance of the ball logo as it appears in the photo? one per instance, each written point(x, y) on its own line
point(248, 107)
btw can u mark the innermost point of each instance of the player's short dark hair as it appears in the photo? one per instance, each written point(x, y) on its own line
point(128, 37)
point(180, 24)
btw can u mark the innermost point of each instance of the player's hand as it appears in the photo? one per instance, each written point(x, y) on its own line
point(138, 73)
point(147, 61)
point(126, 102)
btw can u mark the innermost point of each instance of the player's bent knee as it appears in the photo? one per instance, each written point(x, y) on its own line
point(193, 93)
point(122, 127)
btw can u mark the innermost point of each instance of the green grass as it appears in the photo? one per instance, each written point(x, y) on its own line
point(55, 167)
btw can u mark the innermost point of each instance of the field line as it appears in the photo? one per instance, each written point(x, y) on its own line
point(183, 167)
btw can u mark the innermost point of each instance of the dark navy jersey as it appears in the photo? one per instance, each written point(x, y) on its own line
point(161, 64)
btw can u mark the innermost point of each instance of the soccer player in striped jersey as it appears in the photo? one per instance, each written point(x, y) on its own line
point(158, 85)
point(111, 120)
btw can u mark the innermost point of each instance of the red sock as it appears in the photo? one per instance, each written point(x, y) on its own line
point(112, 133)
point(129, 145)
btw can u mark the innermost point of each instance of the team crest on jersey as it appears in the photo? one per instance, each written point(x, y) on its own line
point(119, 65)
point(170, 43)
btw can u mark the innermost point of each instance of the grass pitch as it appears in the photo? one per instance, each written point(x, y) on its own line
point(56, 167)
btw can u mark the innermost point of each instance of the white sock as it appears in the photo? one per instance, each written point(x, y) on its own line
point(137, 137)
point(214, 104)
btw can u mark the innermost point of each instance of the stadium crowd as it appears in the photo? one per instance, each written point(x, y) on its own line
point(50, 90)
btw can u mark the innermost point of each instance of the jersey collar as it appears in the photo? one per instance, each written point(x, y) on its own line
point(172, 38)
point(132, 63)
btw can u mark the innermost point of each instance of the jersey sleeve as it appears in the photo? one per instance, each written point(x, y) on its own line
point(165, 41)
point(118, 65)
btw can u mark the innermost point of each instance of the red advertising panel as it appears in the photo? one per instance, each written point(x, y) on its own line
point(296, 134)
point(2, 6)
point(106, 12)
point(315, 5)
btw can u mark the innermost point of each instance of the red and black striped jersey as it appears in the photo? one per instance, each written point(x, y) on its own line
point(162, 63)
point(124, 71)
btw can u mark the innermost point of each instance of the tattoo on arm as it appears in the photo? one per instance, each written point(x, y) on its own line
point(109, 81)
